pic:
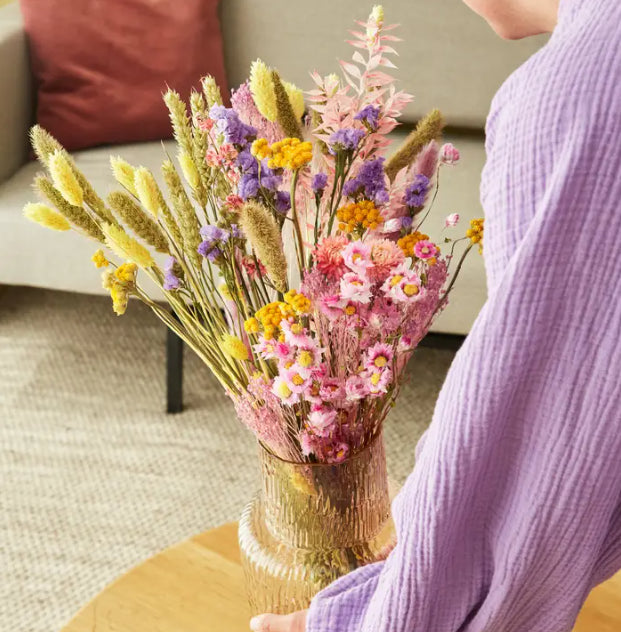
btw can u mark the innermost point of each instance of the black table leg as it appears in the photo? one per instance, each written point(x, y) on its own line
point(174, 373)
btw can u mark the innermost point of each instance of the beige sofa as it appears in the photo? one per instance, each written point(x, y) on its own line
point(449, 59)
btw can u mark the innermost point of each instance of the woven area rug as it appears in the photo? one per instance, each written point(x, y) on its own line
point(94, 476)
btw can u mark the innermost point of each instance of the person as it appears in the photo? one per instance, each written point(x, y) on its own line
point(513, 511)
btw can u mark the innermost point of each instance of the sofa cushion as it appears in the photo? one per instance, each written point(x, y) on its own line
point(101, 68)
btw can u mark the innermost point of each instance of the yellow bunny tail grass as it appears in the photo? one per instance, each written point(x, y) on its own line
point(234, 347)
point(137, 220)
point(211, 90)
point(45, 216)
point(179, 120)
point(429, 128)
point(264, 235)
point(75, 214)
point(123, 173)
point(262, 88)
point(64, 179)
point(147, 190)
point(190, 172)
point(296, 98)
point(43, 143)
point(187, 220)
point(127, 247)
point(286, 117)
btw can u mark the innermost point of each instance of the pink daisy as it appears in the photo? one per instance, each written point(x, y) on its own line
point(378, 381)
point(379, 356)
point(425, 249)
point(296, 334)
point(281, 389)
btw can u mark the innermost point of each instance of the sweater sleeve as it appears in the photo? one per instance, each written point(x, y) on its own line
point(511, 514)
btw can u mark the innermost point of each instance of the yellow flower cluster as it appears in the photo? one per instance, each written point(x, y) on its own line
point(475, 232)
point(120, 283)
point(408, 242)
point(300, 303)
point(234, 347)
point(99, 259)
point(270, 317)
point(289, 153)
point(359, 216)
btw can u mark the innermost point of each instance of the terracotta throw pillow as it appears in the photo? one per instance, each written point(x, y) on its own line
point(101, 66)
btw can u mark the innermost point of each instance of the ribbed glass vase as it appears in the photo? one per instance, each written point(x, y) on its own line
point(312, 523)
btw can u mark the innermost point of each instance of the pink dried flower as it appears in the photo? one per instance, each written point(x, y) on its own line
point(449, 154)
point(378, 380)
point(451, 220)
point(296, 334)
point(297, 378)
point(356, 387)
point(331, 306)
point(251, 267)
point(212, 158)
point(329, 256)
point(228, 154)
point(385, 255)
point(205, 124)
point(338, 453)
point(234, 201)
point(425, 249)
point(403, 285)
point(357, 257)
point(283, 391)
point(332, 389)
point(355, 288)
point(321, 420)
point(427, 160)
point(379, 356)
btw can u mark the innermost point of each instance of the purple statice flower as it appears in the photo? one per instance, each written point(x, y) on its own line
point(282, 202)
point(213, 238)
point(369, 182)
point(171, 280)
point(346, 139)
point(247, 162)
point(229, 124)
point(269, 181)
point(369, 116)
point(320, 181)
point(236, 232)
point(416, 192)
point(248, 186)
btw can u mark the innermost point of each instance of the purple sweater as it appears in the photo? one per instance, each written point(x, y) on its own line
point(513, 511)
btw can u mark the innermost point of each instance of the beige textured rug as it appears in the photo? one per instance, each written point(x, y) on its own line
point(94, 477)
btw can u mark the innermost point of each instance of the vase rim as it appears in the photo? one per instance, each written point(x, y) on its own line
point(349, 459)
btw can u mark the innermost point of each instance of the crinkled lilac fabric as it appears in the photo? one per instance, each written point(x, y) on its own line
point(513, 511)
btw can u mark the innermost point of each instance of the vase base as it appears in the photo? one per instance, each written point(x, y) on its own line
point(282, 579)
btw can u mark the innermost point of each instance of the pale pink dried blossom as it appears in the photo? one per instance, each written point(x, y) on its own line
point(321, 420)
point(378, 380)
point(449, 154)
point(385, 255)
point(356, 387)
point(355, 288)
point(357, 257)
point(329, 256)
point(332, 389)
point(403, 285)
point(451, 220)
point(296, 334)
point(212, 158)
point(331, 306)
point(427, 160)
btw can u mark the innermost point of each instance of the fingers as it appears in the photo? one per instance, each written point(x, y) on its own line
point(295, 622)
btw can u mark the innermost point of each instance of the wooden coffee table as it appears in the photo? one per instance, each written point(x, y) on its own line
point(197, 586)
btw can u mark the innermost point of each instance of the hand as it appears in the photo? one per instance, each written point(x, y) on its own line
point(295, 622)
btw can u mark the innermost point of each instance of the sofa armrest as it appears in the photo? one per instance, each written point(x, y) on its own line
point(16, 104)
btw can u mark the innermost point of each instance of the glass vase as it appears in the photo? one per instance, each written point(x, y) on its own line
point(312, 523)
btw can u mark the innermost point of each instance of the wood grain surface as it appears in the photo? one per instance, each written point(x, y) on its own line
point(197, 586)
